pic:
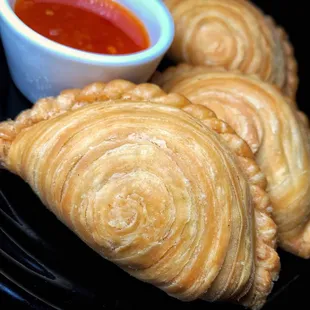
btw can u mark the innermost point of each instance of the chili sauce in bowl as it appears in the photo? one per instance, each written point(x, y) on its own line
point(52, 45)
point(103, 27)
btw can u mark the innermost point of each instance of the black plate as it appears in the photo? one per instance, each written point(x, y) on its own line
point(45, 266)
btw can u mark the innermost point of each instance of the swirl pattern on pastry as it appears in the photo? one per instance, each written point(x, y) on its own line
point(157, 185)
point(234, 34)
point(275, 131)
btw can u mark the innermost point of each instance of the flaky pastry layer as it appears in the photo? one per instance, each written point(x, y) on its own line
point(153, 183)
point(234, 34)
point(277, 133)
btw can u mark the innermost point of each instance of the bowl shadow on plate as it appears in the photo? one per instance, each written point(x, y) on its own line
point(45, 264)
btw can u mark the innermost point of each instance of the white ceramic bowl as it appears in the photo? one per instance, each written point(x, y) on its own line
point(40, 67)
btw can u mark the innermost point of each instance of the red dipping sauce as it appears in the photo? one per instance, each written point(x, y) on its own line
point(97, 26)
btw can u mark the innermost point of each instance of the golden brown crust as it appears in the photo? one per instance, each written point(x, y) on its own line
point(234, 34)
point(268, 263)
point(267, 260)
point(273, 129)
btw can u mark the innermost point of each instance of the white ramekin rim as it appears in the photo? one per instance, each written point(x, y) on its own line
point(164, 19)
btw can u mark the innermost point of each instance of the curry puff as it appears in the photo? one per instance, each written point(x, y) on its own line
point(233, 34)
point(153, 183)
point(277, 134)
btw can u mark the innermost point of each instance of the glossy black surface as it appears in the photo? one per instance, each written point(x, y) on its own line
point(45, 266)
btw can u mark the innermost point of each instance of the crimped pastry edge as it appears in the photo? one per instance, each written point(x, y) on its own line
point(72, 99)
point(160, 78)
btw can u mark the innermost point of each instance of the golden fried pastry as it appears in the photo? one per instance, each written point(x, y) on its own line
point(276, 133)
point(137, 175)
point(236, 35)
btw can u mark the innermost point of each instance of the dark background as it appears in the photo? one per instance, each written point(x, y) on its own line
point(45, 266)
